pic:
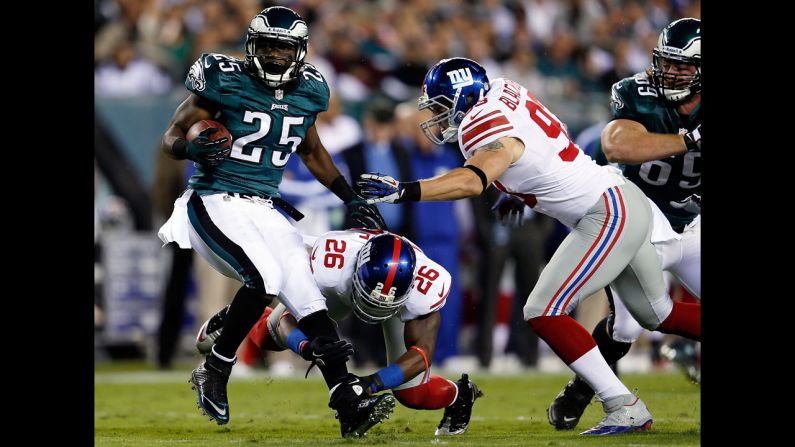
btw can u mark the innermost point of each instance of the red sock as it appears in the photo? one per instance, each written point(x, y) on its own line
point(437, 393)
point(260, 336)
point(249, 353)
point(564, 335)
point(684, 320)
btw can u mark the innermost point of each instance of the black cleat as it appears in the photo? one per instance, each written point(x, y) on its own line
point(565, 411)
point(364, 414)
point(456, 416)
point(209, 380)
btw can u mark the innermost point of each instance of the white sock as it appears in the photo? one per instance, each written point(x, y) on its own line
point(593, 368)
point(232, 360)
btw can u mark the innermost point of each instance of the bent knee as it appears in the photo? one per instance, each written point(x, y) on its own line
point(650, 325)
point(627, 331)
point(437, 393)
point(534, 307)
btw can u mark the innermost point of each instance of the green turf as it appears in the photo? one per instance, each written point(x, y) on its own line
point(159, 409)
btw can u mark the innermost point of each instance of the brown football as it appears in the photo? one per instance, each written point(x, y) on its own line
point(199, 126)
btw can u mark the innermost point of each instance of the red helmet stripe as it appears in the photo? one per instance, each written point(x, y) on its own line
point(393, 267)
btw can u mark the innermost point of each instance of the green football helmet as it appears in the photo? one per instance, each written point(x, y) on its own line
point(276, 45)
point(678, 47)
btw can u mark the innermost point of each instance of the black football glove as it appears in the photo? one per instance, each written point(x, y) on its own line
point(206, 151)
point(509, 210)
point(324, 350)
point(365, 214)
point(691, 203)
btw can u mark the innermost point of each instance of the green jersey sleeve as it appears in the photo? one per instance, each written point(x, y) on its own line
point(634, 98)
point(315, 89)
point(213, 75)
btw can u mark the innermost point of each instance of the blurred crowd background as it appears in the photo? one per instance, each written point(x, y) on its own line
point(374, 54)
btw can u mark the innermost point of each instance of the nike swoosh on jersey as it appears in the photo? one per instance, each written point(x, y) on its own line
point(441, 294)
point(475, 115)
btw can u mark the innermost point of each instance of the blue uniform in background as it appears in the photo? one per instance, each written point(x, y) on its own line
point(437, 233)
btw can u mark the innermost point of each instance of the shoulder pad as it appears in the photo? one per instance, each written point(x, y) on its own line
point(208, 74)
point(431, 287)
point(633, 96)
point(313, 82)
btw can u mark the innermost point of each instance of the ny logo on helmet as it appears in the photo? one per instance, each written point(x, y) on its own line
point(460, 77)
point(388, 298)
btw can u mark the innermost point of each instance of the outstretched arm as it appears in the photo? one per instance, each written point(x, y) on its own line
point(489, 162)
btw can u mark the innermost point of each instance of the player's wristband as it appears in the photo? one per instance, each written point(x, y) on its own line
point(296, 340)
point(180, 148)
point(342, 189)
point(482, 175)
point(411, 192)
point(387, 378)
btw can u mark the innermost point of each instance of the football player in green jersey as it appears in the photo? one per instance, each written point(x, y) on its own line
point(269, 103)
point(655, 137)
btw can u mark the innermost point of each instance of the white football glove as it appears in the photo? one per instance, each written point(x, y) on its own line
point(380, 188)
point(691, 203)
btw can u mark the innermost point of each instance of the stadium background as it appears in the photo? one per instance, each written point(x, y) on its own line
point(374, 55)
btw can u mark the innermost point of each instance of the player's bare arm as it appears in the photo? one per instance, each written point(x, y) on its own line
point(420, 332)
point(317, 159)
point(628, 141)
point(492, 159)
point(192, 109)
point(287, 323)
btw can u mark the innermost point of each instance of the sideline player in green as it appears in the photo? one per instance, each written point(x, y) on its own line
point(655, 136)
point(269, 103)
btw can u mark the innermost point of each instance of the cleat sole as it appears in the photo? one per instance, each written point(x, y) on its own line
point(380, 412)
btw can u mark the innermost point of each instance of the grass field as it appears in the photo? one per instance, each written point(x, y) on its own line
point(147, 408)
